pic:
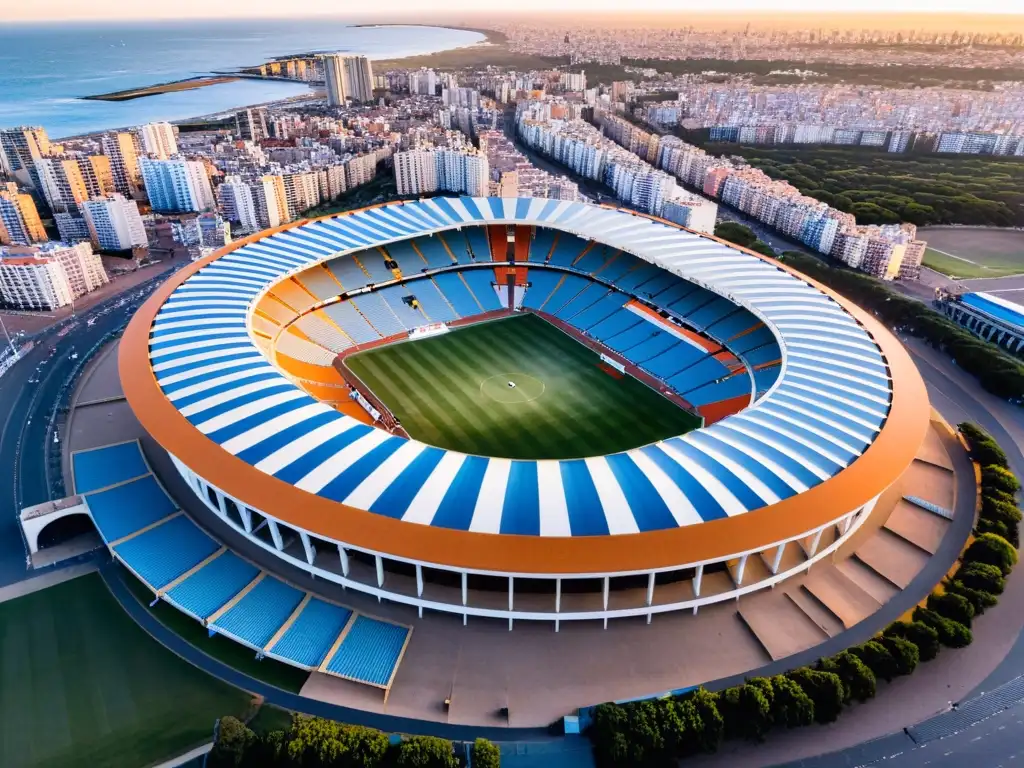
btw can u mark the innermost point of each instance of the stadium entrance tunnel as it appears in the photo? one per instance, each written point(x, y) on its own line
point(53, 523)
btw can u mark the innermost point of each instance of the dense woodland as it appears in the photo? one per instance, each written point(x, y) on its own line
point(883, 188)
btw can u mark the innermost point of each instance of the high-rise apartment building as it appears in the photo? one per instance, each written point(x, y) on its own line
point(49, 276)
point(62, 183)
point(158, 140)
point(124, 161)
point(423, 82)
point(347, 77)
point(238, 204)
point(415, 172)
point(251, 124)
point(20, 147)
point(464, 170)
point(271, 205)
point(71, 227)
point(114, 223)
point(176, 186)
point(19, 220)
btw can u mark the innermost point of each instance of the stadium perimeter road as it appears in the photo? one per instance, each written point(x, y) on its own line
point(29, 392)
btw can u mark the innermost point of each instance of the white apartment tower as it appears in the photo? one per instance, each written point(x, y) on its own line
point(124, 161)
point(237, 202)
point(415, 172)
point(114, 223)
point(347, 77)
point(158, 140)
point(50, 276)
point(176, 186)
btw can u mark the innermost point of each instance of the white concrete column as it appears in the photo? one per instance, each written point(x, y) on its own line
point(511, 594)
point(740, 568)
point(221, 506)
point(247, 519)
point(604, 596)
point(650, 589)
point(815, 542)
point(275, 534)
point(465, 588)
point(848, 521)
point(419, 587)
point(343, 556)
point(697, 580)
point(379, 562)
point(307, 545)
point(778, 557)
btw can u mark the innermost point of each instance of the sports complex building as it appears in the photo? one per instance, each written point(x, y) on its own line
point(517, 410)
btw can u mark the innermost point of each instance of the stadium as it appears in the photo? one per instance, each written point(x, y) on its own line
point(515, 410)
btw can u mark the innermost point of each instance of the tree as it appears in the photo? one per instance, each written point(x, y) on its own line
point(708, 735)
point(747, 710)
point(791, 706)
point(952, 634)
point(979, 599)
point(926, 638)
point(904, 653)
point(993, 550)
point(426, 752)
point(858, 681)
point(996, 505)
point(608, 732)
point(234, 738)
point(735, 233)
point(982, 576)
point(485, 754)
point(825, 690)
point(984, 449)
point(1000, 479)
point(763, 248)
point(952, 606)
point(877, 658)
point(315, 741)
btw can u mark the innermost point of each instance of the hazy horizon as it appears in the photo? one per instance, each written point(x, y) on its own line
point(874, 14)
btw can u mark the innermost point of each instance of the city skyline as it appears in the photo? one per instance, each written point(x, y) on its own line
point(931, 12)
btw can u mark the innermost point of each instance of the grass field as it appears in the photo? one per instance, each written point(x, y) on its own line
point(83, 685)
point(974, 252)
point(452, 391)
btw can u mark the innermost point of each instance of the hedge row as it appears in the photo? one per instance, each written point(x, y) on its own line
point(313, 742)
point(659, 732)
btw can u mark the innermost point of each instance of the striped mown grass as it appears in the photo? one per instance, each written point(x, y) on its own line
point(452, 391)
point(83, 685)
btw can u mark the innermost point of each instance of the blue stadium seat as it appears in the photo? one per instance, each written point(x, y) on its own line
point(162, 554)
point(703, 372)
point(619, 267)
point(641, 273)
point(582, 300)
point(765, 377)
point(261, 612)
point(652, 347)
point(480, 282)
point(433, 303)
point(456, 242)
point(433, 251)
point(348, 273)
point(692, 301)
point(737, 385)
point(409, 317)
point(373, 262)
point(542, 283)
point(318, 282)
point(379, 314)
point(128, 508)
point(595, 259)
point(408, 260)
point(458, 295)
point(349, 319)
point(541, 244)
point(370, 651)
point(638, 333)
point(738, 321)
point(564, 293)
point(103, 467)
point(769, 353)
point(709, 313)
point(567, 249)
point(206, 590)
point(674, 293)
point(307, 641)
point(477, 239)
point(673, 360)
point(656, 284)
point(599, 311)
point(752, 340)
point(615, 323)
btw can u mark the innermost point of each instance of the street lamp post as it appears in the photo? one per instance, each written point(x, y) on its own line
point(10, 342)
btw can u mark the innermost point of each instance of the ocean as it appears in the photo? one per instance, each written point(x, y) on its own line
point(46, 69)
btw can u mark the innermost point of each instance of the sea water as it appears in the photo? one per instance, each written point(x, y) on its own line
point(46, 69)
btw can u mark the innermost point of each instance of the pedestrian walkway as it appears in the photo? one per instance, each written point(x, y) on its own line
point(36, 583)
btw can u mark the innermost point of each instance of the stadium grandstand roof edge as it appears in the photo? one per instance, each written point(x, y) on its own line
point(771, 512)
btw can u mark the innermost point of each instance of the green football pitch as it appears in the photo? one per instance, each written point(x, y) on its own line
point(83, 685)
point(453, 391)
